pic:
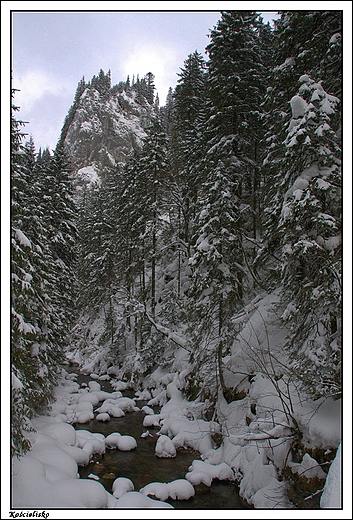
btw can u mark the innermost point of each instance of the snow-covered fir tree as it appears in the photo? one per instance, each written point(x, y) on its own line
point(43, 243)
point(310, 234)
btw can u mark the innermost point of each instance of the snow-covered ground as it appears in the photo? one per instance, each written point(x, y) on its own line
point(252, 453)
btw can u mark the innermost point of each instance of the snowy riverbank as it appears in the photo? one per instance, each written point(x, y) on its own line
point(250, 454)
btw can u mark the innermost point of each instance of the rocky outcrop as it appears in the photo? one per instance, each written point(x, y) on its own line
point(105, 128)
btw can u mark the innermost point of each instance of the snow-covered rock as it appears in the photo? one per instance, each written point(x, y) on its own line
point(179, 489)
point(126, 443)
point(144, 395)
point(103, 417)
point(218, 471)
point(147, 410)
point(156, 489)
point(195, 434)
point(165, 447)
point(137, 500)
point(111, 441)
point(153, 420)
point(308, 467)
point(103, 130)
point(93, 385)
point(122, 485)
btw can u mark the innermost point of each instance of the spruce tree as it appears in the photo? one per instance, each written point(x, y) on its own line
point(187, 150)
point(60, 213)
point(227, 171)
point(37, 325)
point(236, 86)
point(310, 234)
point(304, 42)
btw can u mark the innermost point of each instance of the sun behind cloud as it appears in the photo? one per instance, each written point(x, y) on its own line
point(160, 60)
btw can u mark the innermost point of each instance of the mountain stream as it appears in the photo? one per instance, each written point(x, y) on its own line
point(142, 466)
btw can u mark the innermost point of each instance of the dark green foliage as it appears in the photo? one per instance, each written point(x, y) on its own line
point(43, 244)
point(102, 82)
point(71, 114)
point(310, 234)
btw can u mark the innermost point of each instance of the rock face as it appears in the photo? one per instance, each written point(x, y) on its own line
point(102, 129)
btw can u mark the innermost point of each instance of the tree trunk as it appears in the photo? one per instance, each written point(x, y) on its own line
point(153, 275)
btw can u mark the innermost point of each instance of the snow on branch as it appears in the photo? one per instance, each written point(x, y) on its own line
point(168, 333)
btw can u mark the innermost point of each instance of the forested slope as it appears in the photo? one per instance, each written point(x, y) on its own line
point(207, 238)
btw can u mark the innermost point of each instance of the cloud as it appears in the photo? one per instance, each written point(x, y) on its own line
point(44, 100)
point(162, 61)
point(36, 84)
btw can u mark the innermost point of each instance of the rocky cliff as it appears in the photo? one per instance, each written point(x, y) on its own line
point(102, 128)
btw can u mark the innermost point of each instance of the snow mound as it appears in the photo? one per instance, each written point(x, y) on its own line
point(62, 431)
point(104, 377)
point(115, 411)
point(122, 485)
point(85, 493)
point(82, 418)
point(308, 467)
point(103, 417)
point(88, 397)
point(199, 477)
point(126, 443)
point(47, 478)
point(111, 441)
point(210, 472)
point(147, 410)
point(195, 434)
point(156, 489)
point(321, 423)
point(331, 495)
point(94, 386)
point(92, 443)
point(136, 500)
point(179, 489)
point(126, 404)
point(165, 447)
point(145, 395)
point(152, 421)
point(119, 385)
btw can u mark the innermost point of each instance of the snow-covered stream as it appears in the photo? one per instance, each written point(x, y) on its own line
point(143, 467)
point(106, 446)
point(113, 460)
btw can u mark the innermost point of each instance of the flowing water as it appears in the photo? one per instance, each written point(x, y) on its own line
point(142, 466)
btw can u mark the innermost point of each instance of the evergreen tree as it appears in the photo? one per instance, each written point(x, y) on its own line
point(22, 329)
point(310, 233)
point(37, 325)
point(101, 249)
point(150, 87)
point(305, 42)
point(60, 215)
point(217, 286)
point(236, 88)
point(227, 198)
point(167, 113)
point(311, 40)
point(148, 200)
point(190, 99)
point(187, 147)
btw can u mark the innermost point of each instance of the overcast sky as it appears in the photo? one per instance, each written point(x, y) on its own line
point(52, 50)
